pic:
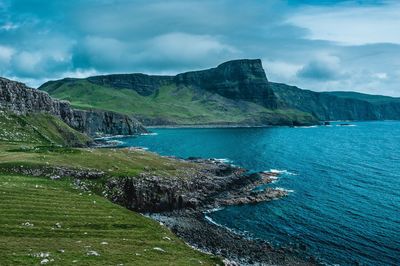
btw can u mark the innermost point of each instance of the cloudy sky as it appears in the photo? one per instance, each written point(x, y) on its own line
point(314, 44)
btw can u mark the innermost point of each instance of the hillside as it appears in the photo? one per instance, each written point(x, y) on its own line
point(39, 129)
point(235, 92)
point(16, 98)
point(52, 222)
point(337, 105)
point(375, 99)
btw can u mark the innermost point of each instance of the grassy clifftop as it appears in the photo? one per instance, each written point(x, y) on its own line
point(171, 104)
point(43, 129)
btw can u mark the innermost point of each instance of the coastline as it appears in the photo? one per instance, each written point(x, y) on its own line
point(214, 126)
point(237, 249)
point(182, 207)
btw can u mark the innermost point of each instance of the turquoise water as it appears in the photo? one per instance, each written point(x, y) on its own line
point(345, 204)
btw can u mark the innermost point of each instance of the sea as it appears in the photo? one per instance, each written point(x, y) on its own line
point(343, 205)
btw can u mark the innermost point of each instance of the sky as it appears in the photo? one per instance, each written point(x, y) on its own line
point(319, 45)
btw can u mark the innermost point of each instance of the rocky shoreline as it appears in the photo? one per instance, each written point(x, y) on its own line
point(202, 234)
point(182, 205)
point(181, 202)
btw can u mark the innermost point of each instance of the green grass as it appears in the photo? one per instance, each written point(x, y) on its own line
point(183, 105)
point(38, 128)
point(52, 217)
point(66, 224)
point(114, 162)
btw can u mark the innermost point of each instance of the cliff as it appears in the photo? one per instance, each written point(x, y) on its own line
point(328, 106)
point(22, 100)
point(233, 93)
point(243, 79)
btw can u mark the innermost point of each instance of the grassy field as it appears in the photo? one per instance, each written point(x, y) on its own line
point(182, 105)
point(51, 222)
point(114, 162)
point(43, 129)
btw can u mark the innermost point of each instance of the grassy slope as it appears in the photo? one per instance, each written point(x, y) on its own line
point(59, 202)
point(182, 106)
point(376, 99)
point(115, 162)
point(39, 129)
point(86, 223)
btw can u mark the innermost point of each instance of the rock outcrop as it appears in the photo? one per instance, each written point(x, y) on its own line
point(20, 99)
point(243, 79)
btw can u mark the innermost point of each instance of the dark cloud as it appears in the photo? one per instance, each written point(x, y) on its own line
point(42, 40)
point(319, 70)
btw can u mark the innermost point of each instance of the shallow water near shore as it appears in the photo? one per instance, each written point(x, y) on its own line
point(345, 204)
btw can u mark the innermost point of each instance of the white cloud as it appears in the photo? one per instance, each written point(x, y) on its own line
point(5, 54)
point(351, 25)
point(188, 46)
point(9, 26)
point(380, 75)
point(280, 71)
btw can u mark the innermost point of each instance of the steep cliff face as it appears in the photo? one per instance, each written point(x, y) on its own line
point(326, 106)
point(22, 100)
point(238, 80)
point(143, 84)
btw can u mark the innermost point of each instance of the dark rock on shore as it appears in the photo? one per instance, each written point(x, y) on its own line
point(211, 185)
point(206, 236)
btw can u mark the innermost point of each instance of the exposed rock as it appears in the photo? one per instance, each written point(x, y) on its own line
point(20, 99)
point(243, 79)
point(237, 79)
point(214, 184)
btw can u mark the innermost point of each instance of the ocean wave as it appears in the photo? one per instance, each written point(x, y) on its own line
point(305, 126)
point(222, 160)
point(149, 134)
point(214, 210)
point(115, 142)
point(284, 189)
point(347, 125)
point(277, 171)
point(139, 148)
point(210, 220)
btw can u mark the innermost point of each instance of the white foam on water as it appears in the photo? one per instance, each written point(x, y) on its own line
point(214, 210)
point(277, 171)
point(118, 142)
point(305, 126)
point(149, 134)
point(210, 220)
point(139, 148)
point(284, 189)
point(222, 160)
point(350, 125)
